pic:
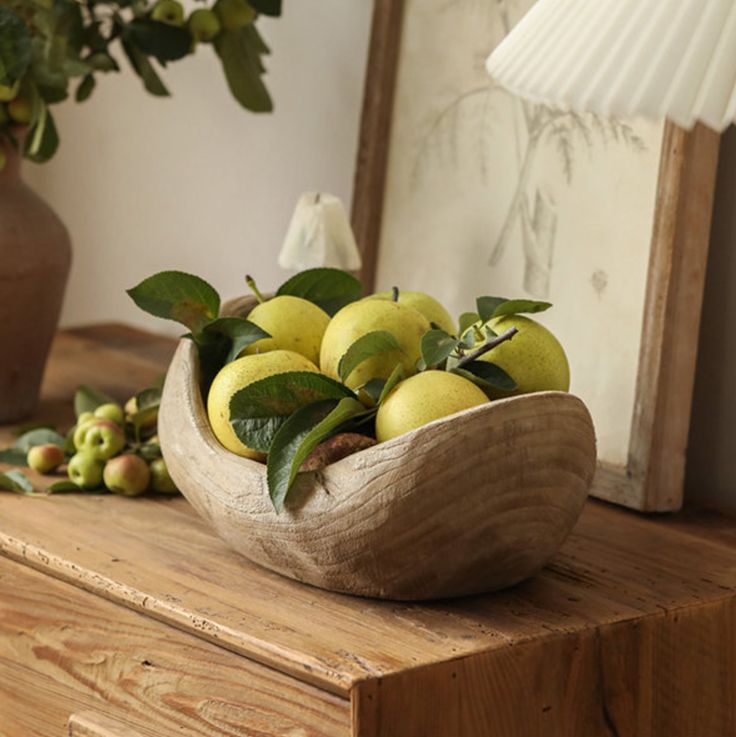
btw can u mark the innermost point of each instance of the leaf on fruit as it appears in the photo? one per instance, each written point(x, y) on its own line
point(373, 389)
point(437, 345)
point(330, 289)
point(486, 375)
point(240, 53)
point(150, 451)
point(162, 41)
point(18, 482)
point(467, 320)
point(490, 307)
point(15, 46)
point(396, 376)
point(258, 410)
point(299, 435)
point(519, 306)
point(267, 7)
point(88, 399)
point(144, 69)
point(175, 295)
point(144, 419)
point(367, 346)
point(240, 333)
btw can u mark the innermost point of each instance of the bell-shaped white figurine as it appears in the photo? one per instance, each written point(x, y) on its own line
point(319, 234)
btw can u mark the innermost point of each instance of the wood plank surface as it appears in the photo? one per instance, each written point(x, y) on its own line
point(63, 650)
point(618, 572)
point(89, 724)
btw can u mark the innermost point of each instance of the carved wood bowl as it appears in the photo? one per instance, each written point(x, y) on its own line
point(470, 503)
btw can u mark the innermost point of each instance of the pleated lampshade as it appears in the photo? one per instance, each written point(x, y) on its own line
point(672, 59)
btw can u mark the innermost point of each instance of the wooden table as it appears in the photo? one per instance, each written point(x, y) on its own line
point(123, 617)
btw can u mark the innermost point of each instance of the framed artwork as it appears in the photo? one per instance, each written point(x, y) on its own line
point(462, 189)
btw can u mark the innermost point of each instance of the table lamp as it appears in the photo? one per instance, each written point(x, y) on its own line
point(673, 59)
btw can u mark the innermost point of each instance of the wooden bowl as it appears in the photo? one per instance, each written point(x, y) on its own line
point(470, 503)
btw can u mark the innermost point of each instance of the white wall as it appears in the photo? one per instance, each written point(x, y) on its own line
point(196, 183)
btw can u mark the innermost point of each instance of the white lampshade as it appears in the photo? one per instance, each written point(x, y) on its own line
point(319, 234)
point(672, 59)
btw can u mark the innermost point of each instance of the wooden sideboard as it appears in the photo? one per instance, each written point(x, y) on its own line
point(129, 618)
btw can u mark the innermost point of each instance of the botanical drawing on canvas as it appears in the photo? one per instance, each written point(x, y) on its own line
point(488, 194)
point(533, 209)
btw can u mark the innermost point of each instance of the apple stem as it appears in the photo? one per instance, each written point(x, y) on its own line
point(251, 282)
point(492, 343)
point(395, 294)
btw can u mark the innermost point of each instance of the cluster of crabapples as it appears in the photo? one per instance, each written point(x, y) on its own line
point(102, 457)
point(204, 24)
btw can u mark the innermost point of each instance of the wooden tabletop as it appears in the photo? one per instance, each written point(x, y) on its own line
point(155, 556)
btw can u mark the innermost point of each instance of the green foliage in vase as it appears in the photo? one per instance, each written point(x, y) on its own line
point(53, 49)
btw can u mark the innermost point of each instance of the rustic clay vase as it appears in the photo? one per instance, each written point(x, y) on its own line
point(35, 255)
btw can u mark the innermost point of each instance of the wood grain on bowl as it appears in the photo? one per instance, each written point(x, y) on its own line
point(470, 503)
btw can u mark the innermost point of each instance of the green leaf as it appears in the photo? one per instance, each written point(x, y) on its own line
point(15, 46)
point(367, 346)
point(490, 307)
point(240, 333)
point(85, 88)
point(394, 378)
point(330, 289)
point(177, 296)
point(144, 419)
point(44, 138)
point(16, 481)
point(487, 306)
point(13, 456)
point(267, 7)
point(299, 435)
point(144, 69)
point(61, 487)
point(374, 389)
point(258, 410)
point(88, 399)
point(150, 397)
point(239, 51)
point(484, 372)
point(517, 306)
point(437, 345)
point(160, 40)
point(150, 451)
point(40, 436)
point(467, 320)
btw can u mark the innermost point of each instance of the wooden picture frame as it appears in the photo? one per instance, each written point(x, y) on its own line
point(652, 478)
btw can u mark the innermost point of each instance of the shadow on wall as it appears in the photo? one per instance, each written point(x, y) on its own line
point(711, 458)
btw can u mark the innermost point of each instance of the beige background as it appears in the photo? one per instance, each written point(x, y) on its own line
point(194, 182)
point(454, 166)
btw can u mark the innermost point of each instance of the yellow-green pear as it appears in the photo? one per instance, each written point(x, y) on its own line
point(423, 398)
point(428, 306)
point(294, 324)
point(366, 316)
point(534, 358)
point(235, 376)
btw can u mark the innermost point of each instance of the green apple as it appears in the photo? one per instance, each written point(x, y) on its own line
point(366, 316)
point(234, 14)
point(294, 324)
point(45, 458)
point(127, 475)
point(101, 439)
point(131, 406)
point(110, 411)
point(20, 110)
point(534, 358)
point(203, 24)
point(161, 481)
point(85, 470)
point(238, 374)
point(168, 11)
point(428, 306)
point(423, 398)
point(8, 92)
point(85, 417)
